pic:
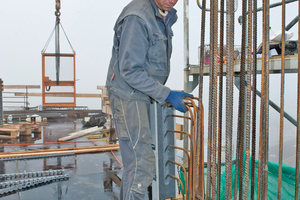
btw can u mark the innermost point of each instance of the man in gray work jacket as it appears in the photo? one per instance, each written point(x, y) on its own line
point(138, 70)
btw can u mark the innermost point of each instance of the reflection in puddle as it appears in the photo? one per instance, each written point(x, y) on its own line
point(92, 176)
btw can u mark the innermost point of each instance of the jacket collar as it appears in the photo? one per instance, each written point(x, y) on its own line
point(171, 14)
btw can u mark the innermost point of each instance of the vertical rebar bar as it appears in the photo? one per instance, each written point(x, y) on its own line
point(254, 78)
point(229, 96)
point(248, 100)
point(265, 101)
point(298, 117)
point(200, 134)
point(210, 108)
point(281, 99)
point(220, 116)
point(241, 111)
point(215, 97)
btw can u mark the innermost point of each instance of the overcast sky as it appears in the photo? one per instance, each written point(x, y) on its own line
point(25, 27)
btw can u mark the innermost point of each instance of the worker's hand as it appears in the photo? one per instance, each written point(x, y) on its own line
point(175, 98)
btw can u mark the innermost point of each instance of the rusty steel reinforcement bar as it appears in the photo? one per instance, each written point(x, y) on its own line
point(76, 151)
point(229, 98)
point(248, 100)
point(254, 79)
point(192, 152)
point(241, 109)
point(195, 175)
point(281, 131)
point(220, 109)
point(190, 160)
point(184, 189)
point(298, 118)
point(37, 156)
point(178, 179)
point(58, 149)
point(32, 174)
point(21, 185)
point(200, 125)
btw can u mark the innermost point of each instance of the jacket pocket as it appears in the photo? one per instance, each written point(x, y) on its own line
point(158, 48)
point(119, 116)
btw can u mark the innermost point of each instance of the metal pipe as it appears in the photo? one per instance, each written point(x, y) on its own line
point(186, 69)
point(292, 23)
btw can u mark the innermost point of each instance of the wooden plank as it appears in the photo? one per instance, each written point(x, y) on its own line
point(103, 88)
point(179, 127)
point(13, 132)
point(81, 95)
point(22, 86)
point(79, 134)
point(6, 137)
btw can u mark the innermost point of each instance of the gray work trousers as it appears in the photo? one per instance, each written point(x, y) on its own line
point(133, 129)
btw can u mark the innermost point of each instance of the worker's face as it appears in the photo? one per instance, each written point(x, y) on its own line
point(165, 5)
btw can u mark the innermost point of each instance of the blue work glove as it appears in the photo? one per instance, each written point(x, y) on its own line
point(175, 98)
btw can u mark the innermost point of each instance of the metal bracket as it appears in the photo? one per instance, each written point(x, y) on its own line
point(193, 84)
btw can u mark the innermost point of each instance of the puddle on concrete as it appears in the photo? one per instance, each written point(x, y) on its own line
point(92, 176)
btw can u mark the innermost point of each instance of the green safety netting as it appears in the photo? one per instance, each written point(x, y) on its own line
point(287, 184)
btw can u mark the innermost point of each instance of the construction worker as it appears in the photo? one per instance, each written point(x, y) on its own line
point(138, 70)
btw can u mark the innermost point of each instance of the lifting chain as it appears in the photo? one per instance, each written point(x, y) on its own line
point(57, 12)
point(57, 47)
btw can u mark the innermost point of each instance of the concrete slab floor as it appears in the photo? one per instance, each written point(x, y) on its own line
point(92, 176)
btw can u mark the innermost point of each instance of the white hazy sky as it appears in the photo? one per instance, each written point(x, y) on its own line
point(26, 26)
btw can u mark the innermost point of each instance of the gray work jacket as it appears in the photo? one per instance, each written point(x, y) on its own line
point(140, 62)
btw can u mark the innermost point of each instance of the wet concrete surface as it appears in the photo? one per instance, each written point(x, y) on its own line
point(92, 176)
